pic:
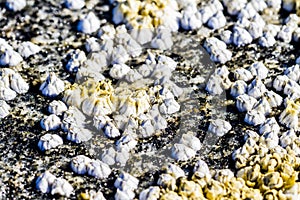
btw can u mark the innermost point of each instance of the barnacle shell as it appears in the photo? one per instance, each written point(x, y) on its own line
point(49, 141)
point(189, 189)
point(27, 49)
point(62, 187)
point(51, 122)
point(151, 193)
point(15, 5)
point(271, 180)
point(167, 181)
point(57, 107)
point(79, 164)
point(125, 181)
point(53, 86)
point(4, 109)
point(219, 127)
point(44, 182)
point(98, 169)
point(89, 24)
point(215, 189)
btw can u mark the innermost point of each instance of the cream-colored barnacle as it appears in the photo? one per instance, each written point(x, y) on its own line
point(214, 190)
point(288, 174)
point(271, 163)
point(271, 180)
point(72, 95)
point(254, 159)
point(170, 195)
point(271, 195)
point(167, 181)
point(250, 193)
point(240, 161)
point(189, 189)
point(250, 174)
point(235, 185)
point(224, 175)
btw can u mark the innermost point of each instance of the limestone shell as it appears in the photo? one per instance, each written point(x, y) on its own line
point(49, 141)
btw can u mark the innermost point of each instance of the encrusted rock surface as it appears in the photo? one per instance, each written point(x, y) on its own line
point(149, 100)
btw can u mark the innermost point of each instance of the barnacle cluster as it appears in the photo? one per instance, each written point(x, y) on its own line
point(144, 14)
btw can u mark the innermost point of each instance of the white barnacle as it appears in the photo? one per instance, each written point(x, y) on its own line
point(118, 71)
point(27, 49)
point(239, 87)
point(226, 36)
point(52, 86)
point(98, 169)
point(287, 138)
point(280, 82)
point(51, 122)
point(44, 182)
point(78, 134)
point(242, 74)
point(245, 102)
point(126, 142)
point(92, 44)
point(220, 55)
point(78, 57)
point(15, 5)
point(74, 4)
point(273, 98)
point(49, 141)
point(169, 106)
point(125, 181)
point(214, 85)
point(235, 6)
point(10, 58)
point(258, 5)
point(191, 18)
point(142, 36)
point(111, 131)
point(162, 40)
point(241, 36)
point(4, 109)
point(167, 181)
point(89, 24)
point(267, 40)
point(256, 88)
point(6, 94)
point(254, 117)
point(271, 139)
point(173, 170)
point(62, 187)
point(146, 129)
point(219, 127)
point(217, 21)
point(57, 107)
point(119, 55)
point(293, 72)
point(256, 30)
point(289, 116)
point(202, 170)
point(270, 125)
point(263, 106)
point(285, 34)
point(180, 152)
point(247, 12)
point(151, 193)
point(124, 194)
point(291, 87)
point(107, 32)
point(190, 141)
point(18, 84)
point(259, 70)
point(79, 164)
